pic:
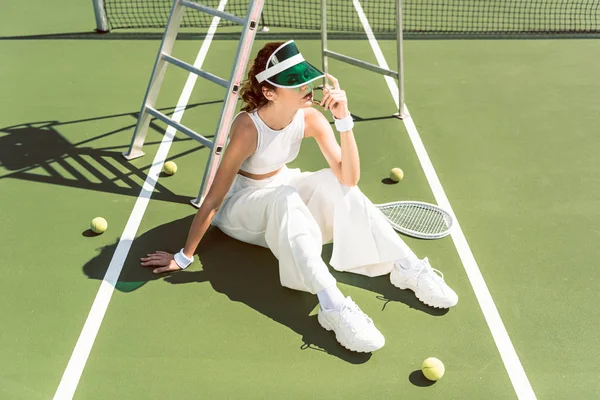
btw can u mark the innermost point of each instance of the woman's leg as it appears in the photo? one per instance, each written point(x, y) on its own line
point(279, 219)
point(295, 239)
point(276, 218)
point(364, 242)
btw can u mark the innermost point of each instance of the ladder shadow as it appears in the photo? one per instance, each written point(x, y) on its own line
point(37, 152)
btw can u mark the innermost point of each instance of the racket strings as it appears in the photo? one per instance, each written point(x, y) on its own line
point(416, 217)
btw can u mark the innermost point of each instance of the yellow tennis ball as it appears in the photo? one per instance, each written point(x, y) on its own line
point(433, 369)
point(396, 174)
point(99, 225)
point(170, 168)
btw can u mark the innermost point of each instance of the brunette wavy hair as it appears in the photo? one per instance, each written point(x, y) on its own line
point(251, 91)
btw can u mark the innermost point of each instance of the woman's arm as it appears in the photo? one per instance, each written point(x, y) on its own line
point(343, 161)
point(242, 143)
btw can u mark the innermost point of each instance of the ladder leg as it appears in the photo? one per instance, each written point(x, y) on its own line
point(158, 73)
point(237, 75)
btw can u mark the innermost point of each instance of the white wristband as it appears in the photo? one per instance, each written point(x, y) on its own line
point(182, 260)
point(344, 124)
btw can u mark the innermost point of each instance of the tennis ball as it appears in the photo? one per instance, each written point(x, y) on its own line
point(396, 174)
point(99, 225)
point(433, 369)
point(170, 168)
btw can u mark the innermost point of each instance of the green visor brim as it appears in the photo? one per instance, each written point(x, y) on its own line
point(296, 76)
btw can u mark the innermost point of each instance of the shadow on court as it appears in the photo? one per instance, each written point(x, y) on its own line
point(418, 379)
point(37, 152)
point(247, 274)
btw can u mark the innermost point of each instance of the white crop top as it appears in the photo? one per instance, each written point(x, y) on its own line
point(274, 148)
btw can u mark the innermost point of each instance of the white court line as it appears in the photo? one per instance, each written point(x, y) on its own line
point(509, 356)
point(70, 379)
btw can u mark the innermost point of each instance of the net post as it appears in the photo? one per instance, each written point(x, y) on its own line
point(100, 12)
point(324, 38)
point(399, 43)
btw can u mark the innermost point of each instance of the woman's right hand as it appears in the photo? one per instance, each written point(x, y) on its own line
point(161, 259)
point(335, 99)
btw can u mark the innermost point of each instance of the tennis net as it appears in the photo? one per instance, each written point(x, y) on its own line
point(419, 16)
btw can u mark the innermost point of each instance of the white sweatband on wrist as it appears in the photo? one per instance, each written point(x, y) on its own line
point(344, 124)
point(182, 260)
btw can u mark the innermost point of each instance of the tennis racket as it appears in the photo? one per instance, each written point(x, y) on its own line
point(417, 219)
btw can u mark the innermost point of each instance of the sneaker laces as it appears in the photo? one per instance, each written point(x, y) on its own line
point(428, 271)
point(353, 316)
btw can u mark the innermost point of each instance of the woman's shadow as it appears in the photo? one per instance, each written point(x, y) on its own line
point(245, 273)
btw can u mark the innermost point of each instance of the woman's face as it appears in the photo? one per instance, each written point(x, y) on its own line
point(300, 97)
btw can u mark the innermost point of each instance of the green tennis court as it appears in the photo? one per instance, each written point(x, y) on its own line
point(509, 124)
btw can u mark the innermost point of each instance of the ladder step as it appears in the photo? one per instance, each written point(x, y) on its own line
point(199, 72)
point(181, 128)
point(359, 63)
point(213, 12)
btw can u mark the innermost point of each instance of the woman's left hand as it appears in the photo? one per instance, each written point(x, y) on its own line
point(335, 99)
point(161, 259)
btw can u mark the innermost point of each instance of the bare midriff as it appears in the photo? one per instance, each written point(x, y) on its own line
point(258, 177)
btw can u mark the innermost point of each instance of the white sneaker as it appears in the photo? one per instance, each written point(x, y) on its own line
point(427, 283)
point(353, 328)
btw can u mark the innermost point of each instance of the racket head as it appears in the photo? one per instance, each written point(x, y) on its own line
point(418, 219)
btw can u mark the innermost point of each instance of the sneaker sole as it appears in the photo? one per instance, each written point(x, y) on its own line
point(328, 327)
point(399, 286)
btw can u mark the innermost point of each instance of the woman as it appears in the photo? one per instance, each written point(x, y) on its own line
point(255, 198)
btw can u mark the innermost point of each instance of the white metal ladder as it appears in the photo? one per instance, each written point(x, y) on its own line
point(216, 147)
point(250, 23)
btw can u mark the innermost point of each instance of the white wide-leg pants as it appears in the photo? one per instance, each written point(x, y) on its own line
point(294, 213)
